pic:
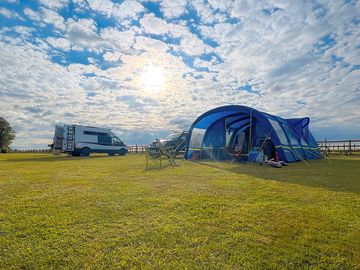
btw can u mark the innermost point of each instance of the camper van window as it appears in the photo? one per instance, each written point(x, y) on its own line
point(116, 141)
point(105, 140)
point(87, 132)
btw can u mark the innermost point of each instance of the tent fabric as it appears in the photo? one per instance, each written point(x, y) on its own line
point(219, 128)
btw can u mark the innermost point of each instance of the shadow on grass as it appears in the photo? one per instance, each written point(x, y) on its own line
point(53, 158)
point(156, 167)
point(340, 174)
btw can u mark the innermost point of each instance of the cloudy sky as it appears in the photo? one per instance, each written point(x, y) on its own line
point(144, 68)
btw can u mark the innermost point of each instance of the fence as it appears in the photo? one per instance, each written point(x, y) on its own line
point(347, 147)
point(31, 151)
point(135, 149)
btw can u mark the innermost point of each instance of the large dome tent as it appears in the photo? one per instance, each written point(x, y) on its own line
point(215, 130)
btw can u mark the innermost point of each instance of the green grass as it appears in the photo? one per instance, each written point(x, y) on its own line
point(109, 212)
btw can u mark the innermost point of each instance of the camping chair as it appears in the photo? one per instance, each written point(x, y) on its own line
point(168, 152)
point(153, 159)
point(164, 151)
point(232, 155)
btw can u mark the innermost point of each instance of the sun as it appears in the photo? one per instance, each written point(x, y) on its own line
point(153, 78)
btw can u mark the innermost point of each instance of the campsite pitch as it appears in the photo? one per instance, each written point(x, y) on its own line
point(108, 212)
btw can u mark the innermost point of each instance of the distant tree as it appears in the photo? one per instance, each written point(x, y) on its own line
point(7, 135)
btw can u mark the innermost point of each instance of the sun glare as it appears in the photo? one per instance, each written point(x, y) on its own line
point(153, 78)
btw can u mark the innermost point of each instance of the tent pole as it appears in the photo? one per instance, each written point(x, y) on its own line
point(262, 146)
point(299, 156)
point(250, 135)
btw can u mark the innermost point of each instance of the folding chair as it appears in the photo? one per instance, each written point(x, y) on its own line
point(153, 159)
point(168, 152)
point(232, 155)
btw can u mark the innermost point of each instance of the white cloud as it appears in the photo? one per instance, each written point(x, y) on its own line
point(204, 10)
point(9, 14)
point(173, 9)
point(222, 5)
point(102, 6)
point(54, 4)
point(59, 43)
point(52, 17)
point(32, 14)
point(204, 64)
point(154, 25)
point(24, 31)
point(127, 9)
point(82, 34)
point(120, 39)
point(189, 43)
point(46, 16)
point(85, 35)
point(112, 56)
point(149, 44)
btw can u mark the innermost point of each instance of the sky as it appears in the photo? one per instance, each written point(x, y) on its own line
point(146, 68)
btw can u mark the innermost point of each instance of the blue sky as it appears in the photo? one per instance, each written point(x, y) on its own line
point(145, 68)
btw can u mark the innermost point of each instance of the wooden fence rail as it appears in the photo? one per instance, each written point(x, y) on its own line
point(347, 147)
point(135, 149)
point(30, 151)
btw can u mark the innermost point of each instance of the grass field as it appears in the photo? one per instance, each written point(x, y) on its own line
point(59, 212)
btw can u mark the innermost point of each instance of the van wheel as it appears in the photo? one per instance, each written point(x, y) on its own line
point(85, 152)
point(122, 152)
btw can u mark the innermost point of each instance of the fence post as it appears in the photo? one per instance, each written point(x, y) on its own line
point(349, 147)
point(136, 149)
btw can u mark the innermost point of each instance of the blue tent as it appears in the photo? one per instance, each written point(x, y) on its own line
point(217, 129)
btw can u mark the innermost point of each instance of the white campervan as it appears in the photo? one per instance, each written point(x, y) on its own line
point(83, 140)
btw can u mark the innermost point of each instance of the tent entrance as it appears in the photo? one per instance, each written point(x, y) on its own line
point(268, 147)
point(238, 135)
point(239, 140)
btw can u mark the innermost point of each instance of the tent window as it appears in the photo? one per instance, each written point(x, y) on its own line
point(290, 134)
point(197, 137)
point(303, 142)
point(279, 131)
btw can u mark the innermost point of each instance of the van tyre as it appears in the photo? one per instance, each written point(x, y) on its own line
point(85, 152)
point(122, 152)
